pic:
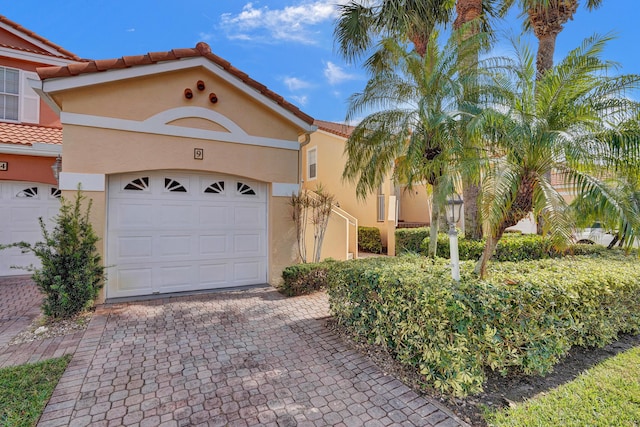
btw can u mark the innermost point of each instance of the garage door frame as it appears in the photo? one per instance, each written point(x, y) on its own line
point(114, 287)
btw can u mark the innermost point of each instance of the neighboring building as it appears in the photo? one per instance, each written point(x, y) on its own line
point(324, 160)
point(30, 141)
point(190, 165)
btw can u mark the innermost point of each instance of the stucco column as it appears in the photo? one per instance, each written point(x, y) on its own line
point(391, 226)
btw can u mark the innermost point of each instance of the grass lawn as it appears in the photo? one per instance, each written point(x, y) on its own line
point(26, 389)
point(606, 395)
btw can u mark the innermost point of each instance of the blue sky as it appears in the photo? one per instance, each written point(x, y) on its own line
point(284, 44)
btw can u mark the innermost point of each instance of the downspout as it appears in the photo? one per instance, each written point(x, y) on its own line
point(304, 139)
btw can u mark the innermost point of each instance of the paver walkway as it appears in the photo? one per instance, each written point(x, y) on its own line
point(233, 358)
point(20, 302)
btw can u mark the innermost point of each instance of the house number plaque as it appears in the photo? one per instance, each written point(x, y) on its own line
point(198, 153)
point(4, 166)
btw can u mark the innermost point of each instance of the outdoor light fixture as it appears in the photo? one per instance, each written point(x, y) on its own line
point(56, 167)
point(454, 210)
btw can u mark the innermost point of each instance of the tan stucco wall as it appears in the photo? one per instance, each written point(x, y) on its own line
point(415, 204)
point(283, 249)
point(143, 97)
point(94, 150)
point(97, 217)
point(331, 161)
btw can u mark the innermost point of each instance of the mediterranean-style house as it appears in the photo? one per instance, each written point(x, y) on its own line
point(30, 141)
point(190, 165)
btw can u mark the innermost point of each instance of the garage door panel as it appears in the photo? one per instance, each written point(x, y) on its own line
point(138, 247)
point(206, 230)
point(176, 215)
point(175, 277)
point(213, 244)
point(175, 246)
point(213, 274)
point(211, 216)
point(247, 244)
point(133, 281)
point(21, 205)
point(133, 215)
point(251, 216)
point(247, 271)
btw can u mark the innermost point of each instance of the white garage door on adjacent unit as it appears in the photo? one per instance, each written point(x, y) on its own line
point(180, 231)
point(21, 205)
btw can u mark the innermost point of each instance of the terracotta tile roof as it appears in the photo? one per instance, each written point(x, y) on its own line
point(201, 49)
point(61, 52)
point(339, 129)
point(13, 133)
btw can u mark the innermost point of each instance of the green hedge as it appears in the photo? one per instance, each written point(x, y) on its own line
point(303, 279)
point(512, 247)
point(525, 318)
point(369, 240)
point(410, 239)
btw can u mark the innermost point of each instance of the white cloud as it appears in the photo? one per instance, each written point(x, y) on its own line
point(336, 75)
point(300, 100)
point(291, 23)
point(294, 83)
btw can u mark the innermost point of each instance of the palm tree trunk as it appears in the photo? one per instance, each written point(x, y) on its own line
point(433, 227)
point(470, 11)
point(546, 49)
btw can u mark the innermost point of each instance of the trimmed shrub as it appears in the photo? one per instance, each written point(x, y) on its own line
point(303, 279)
point(369, 240)
point(408, 240)
point(71, 273)
point(525, 318)
point(512, 247)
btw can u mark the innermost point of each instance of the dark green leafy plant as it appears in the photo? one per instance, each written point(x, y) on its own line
point(512, 247)
point(71, 273)
point(303, 279)
point(369, 240)
point(408, 240)
point(522, 320)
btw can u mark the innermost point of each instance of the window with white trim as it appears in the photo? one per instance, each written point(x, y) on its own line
point(312, 163)
point(9, 93)
point(18, 101)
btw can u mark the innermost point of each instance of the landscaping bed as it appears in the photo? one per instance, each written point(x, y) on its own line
point(531, 326)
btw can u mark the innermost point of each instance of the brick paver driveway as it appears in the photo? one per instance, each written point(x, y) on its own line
point(19, 305)
point(236, 358)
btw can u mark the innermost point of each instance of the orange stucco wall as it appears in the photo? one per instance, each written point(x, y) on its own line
point(28, 168)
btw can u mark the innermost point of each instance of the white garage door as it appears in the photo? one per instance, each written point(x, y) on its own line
point(180, 231)
point(21, 204)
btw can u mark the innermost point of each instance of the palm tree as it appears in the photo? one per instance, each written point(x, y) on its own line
point(571, 120)
point(361, 24)
point(415, 128)
point(547, 18)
